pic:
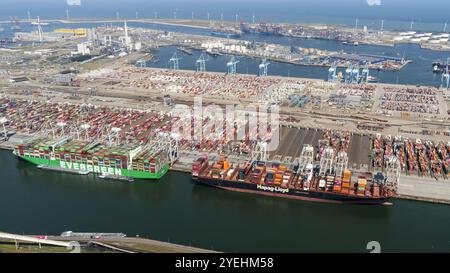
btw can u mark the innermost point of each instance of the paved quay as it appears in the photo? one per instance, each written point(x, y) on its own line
point(424, 189)
point(136, 244)
point(13, 243)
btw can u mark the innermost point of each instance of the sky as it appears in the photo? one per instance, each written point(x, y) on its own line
point(279, 10)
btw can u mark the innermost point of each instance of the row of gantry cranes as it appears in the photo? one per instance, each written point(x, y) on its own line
point(332, 163)
point(61, 133)
point(200, 64)
point(355, 74)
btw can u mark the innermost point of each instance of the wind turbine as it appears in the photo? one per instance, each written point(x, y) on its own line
point(39, 29)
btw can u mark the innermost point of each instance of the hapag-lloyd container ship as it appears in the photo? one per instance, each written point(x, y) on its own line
point(85, 157)
point(274, 179)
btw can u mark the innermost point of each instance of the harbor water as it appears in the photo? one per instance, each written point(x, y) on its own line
point(417, 73)
point(35, 201)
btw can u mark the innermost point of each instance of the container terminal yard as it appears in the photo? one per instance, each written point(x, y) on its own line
point(373, 136)
point(347, 125)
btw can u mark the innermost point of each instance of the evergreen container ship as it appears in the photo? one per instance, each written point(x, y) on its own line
point(69, 154)
point(274, 179)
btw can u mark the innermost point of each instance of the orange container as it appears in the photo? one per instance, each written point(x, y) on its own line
point(226, 165)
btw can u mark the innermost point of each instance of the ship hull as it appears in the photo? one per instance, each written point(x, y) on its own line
point(274, 191)
point(96, 169)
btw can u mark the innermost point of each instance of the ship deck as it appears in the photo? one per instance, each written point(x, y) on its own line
point(294, 182)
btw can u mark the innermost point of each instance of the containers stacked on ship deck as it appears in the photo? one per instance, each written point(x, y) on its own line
point(150, 161)
point(199, 165)
point(95, 157)
point(107, 156)
point(244, 171)
point(346, 180)
point(71, 151)
point(361, 186)
point(277, 175)
point(277, 179)
point(35, 148)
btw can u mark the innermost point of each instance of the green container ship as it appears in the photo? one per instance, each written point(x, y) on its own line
point(86, 157)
